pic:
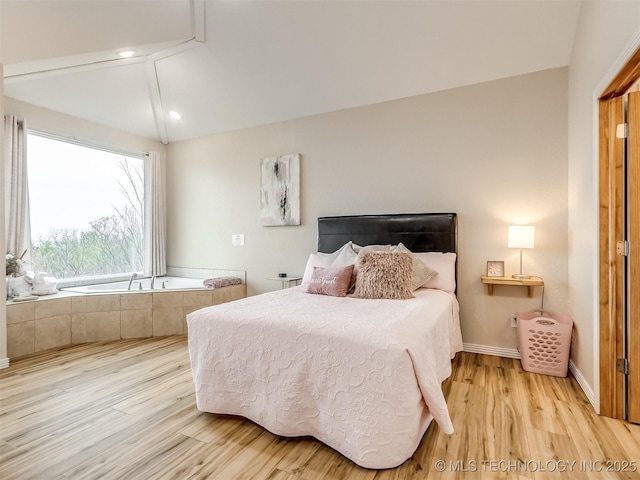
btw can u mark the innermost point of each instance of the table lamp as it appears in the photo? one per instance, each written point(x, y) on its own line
point(521, 236)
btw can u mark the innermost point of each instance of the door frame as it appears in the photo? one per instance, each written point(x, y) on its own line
point(610, 223)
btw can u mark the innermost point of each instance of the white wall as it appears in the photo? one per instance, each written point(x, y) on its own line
point(495, 153)
point(4, 361)
point(605, 30)
point(3, 281)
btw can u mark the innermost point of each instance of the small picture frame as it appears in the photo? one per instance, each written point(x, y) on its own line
point(495, 269)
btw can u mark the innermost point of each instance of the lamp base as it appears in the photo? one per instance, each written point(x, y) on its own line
point(520, 276)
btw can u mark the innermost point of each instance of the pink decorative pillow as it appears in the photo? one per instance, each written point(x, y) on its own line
point(332, 281)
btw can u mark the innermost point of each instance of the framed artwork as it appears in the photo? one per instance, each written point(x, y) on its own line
point(495, 269)
point(280, 190)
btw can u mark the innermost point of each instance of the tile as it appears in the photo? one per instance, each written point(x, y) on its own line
point(187, 311)
point(52, 332)
point(197, 297)
point(103, 326)
point(228, 294)
point(103, 303)
point(79, 304)
point(168, 321)
point(136, 323)
point(53, 307)
point(136, 301)
point(193, 308)
point(78, 328)
point(21, 339)
point(21, 312)
point(167, 299)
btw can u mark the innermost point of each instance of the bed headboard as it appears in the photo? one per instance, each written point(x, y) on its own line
point(419, 232)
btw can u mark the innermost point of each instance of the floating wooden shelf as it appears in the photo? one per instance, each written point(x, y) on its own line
point(525, 282)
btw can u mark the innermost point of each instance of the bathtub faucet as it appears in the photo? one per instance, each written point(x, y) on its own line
point(153, 280)
point(133, 275)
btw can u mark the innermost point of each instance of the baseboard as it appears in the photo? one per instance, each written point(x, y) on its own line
point(514, 353)
point(488, 350)
point(586, 388)
point(4, 363)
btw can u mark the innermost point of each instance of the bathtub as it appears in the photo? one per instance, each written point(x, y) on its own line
point(141, 284)
point(108, 312)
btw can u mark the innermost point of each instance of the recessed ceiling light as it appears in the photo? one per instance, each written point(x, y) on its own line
point(175, 115)
point(127, 54)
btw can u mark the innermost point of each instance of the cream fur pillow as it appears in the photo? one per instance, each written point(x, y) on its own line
point(384, 275)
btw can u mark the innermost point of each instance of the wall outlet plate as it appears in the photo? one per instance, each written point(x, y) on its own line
point(514, 320)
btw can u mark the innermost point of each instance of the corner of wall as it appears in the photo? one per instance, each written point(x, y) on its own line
point(584, 384)
point(4, 361)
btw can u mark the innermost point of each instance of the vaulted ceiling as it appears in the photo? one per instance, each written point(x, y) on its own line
point(231, 64)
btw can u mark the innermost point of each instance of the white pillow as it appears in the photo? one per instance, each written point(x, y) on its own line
point(346, 256)
point(445, 265)
point(315, 260)
point(369, 248)
point(342, 257)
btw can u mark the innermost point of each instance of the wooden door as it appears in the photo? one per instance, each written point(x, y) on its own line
point(619, 219)
point(633, 289)
point(611, 179)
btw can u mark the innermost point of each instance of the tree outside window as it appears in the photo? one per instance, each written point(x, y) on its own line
point(87, 209)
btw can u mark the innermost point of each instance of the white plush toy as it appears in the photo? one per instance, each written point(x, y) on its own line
point(42, 285)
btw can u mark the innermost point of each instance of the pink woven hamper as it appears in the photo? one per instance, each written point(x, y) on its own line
point(544, 341)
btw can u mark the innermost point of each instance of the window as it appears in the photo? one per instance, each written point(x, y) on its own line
point(87, 209)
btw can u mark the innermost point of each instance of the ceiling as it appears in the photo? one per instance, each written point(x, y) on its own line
point(232, 64)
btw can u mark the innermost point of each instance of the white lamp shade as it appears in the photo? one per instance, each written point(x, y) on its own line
point(521, 236)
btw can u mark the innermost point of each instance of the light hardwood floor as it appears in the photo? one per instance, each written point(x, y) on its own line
point(126, 410)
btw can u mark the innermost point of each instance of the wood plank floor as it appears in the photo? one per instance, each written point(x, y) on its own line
point(126, 410)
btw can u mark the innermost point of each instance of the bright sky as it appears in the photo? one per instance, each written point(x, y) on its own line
point(70, 185)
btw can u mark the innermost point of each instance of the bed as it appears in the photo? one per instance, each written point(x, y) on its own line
point(361, 375)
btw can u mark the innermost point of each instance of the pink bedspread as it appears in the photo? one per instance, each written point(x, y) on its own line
point(362, 376)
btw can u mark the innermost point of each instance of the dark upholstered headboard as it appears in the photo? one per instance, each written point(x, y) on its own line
point(419, 232)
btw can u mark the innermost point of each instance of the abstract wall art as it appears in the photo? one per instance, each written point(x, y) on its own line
point(280, 190)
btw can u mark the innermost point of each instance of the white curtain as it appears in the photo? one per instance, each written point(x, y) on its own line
point(154, 216)
point(16, 188)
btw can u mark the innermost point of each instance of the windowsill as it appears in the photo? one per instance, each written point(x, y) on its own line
point(76, 282)
point(60, 294)
point(95, 280)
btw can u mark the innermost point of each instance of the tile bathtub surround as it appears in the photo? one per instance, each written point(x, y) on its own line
point(205, 273)
point(198, 297)
point(102, 326)
point(139, 301)
point(21, 312)
point(55, 322)
point(136, 323)
point(168, 321)
point(51, 332)
point(21, 338)
point(53, 307)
